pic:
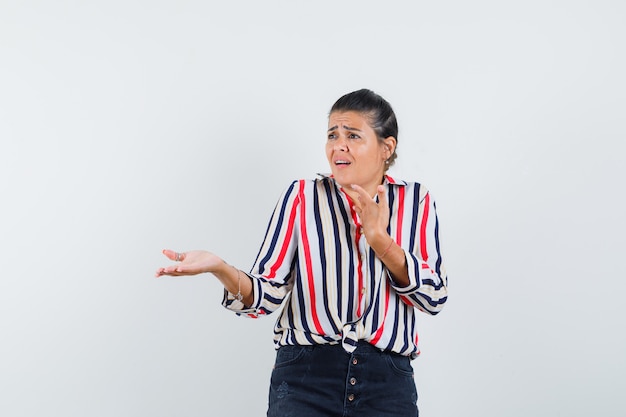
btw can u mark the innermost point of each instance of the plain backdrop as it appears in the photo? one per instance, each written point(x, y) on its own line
point(132, 126)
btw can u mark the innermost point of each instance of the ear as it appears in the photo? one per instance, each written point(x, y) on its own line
point(389, 146)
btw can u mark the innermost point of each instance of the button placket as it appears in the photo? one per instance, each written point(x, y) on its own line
point(352, 381)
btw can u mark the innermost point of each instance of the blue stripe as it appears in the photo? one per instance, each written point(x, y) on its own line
point(301, 301)
point(259, 291)
point(351, 342)
point(290, 318)
point(375, 306)
point(414, 217)
point(432, 283)
point(394, 333)
point(338, 258)
point(438, 262)
point(322, 249)
point(347, 221)
point(406, 337)
point(391, 197)
point(272, 300)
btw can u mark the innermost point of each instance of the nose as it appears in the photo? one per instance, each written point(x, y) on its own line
point(341, 144)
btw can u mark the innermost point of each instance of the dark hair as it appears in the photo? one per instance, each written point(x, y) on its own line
point(379, 112)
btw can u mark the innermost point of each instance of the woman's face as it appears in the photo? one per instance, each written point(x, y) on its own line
point(354, 153)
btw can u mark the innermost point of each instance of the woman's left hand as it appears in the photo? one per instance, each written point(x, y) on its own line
point(374, 216)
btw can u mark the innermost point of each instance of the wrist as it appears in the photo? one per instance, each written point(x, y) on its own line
point(381, 254)
point(222, 268)
point(378, 240)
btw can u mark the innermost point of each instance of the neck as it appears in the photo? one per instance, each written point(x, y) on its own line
point(370, 189)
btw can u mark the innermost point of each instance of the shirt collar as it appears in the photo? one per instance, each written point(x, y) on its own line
point(388, 179)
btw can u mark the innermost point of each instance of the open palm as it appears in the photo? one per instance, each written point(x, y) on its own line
point(190, 263)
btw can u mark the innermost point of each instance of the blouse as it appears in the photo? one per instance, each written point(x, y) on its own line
point(316, 262)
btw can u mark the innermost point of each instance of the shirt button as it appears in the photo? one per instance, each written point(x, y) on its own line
point(351, 397)
point(352, 381)
point(354, 361)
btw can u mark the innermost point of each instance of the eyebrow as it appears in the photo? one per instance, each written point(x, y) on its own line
point(345, 127)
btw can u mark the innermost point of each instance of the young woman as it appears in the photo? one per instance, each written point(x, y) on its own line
point(352, 255)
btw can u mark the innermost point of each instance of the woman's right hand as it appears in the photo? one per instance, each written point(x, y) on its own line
point(190, 263)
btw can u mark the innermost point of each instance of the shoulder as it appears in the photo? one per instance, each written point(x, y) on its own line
point(306, 185)
point(419, 190)
point(400, 183)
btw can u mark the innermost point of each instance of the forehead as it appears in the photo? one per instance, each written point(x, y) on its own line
point(348, 119)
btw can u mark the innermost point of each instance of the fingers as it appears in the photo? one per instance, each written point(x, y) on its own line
point(174, 256)
point(362, 197)
point(374, 215)
point(172, 270)
point(360, 191)
point(168, 270)
point(169, 253)
point(162, 271)
point(382, 196)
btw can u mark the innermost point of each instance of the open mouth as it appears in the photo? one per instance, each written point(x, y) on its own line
point(342, 162)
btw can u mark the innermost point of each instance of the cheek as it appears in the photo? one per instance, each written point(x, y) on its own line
point(329, 150)
point(375, 155)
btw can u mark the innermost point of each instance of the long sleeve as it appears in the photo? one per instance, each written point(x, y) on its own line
point(427, 289)
point(316, 263)
point(272, 271)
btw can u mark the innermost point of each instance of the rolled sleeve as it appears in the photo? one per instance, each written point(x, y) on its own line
point(427, 290)
point(231, 303)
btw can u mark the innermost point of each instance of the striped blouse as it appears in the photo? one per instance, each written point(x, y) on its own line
point(316, 262)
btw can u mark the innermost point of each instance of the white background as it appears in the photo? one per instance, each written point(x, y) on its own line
point(132, 126)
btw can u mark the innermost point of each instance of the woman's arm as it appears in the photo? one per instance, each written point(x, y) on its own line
point(199, 261)
point(418, 276)
point(375, 220)
point(263, 290)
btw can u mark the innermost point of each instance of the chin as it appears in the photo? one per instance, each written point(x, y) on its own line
point(342, 180)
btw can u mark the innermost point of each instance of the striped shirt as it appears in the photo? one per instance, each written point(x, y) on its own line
point(316, 262)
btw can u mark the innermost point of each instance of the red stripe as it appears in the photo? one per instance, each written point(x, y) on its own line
point(423, 228)
point(286, 240)
point(380, 330)
point(357, 238)
point(307, 260)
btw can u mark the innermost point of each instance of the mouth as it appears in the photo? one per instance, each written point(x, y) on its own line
point(342, 162)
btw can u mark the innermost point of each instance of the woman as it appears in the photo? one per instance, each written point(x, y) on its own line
point(351, 256)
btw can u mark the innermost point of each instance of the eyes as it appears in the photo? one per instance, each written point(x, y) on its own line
point(350, 135)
